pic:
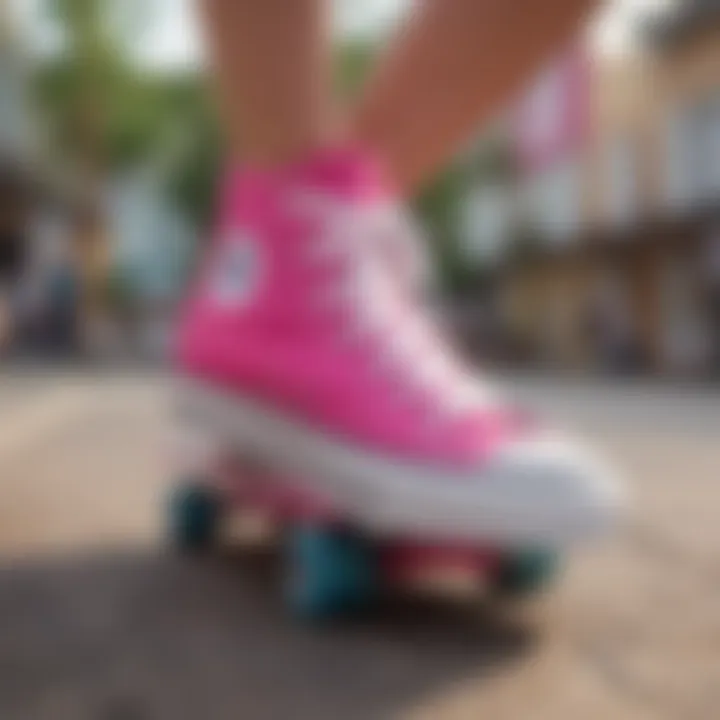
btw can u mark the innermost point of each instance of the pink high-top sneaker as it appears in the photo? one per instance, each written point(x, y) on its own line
point(304, 345)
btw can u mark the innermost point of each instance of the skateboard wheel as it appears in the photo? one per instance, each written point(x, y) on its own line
point(526, 572)
point(195, 512)
point(329, 571)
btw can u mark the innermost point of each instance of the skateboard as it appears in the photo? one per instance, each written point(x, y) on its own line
point(329, 565)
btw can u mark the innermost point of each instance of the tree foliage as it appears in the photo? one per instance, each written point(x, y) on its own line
point(102, 109)
point(104, 112)
point(89, 84)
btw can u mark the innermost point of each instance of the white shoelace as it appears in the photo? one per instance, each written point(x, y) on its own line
point(380, 287)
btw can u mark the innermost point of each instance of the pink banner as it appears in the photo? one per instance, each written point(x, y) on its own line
point(552, 117)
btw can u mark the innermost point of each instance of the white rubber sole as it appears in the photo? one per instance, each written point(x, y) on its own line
point(544, 491)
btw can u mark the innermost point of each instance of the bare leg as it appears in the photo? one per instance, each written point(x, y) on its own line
point(271, 63)
point(451, 66)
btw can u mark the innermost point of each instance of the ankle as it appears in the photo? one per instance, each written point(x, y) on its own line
point(339, 169)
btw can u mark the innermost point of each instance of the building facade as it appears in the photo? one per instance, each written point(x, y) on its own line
point(611, 252)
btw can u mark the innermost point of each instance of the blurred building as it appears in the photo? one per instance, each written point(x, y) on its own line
point(152, 247)
point(42, 216)
point(606, 245)
point(17, 129)
point(79, 256)
point(14, 142)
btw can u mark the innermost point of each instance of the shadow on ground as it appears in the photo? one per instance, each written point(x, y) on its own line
point(140, 637)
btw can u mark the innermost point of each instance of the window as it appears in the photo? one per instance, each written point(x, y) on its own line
point(487, 223)
point(693, 155)
point(679, 160)
point(620, 188)
point(711, 134)
point(553, 201)
point(14, 126)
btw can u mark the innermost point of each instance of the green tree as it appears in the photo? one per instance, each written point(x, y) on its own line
point(353, 60)
point(438, 207)
point(88, 85)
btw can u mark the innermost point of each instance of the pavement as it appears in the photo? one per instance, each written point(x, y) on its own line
point(99, 621)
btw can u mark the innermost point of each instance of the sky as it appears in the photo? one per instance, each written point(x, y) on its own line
point(170, 39)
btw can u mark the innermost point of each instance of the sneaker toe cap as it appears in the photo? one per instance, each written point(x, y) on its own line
point(563, 486)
